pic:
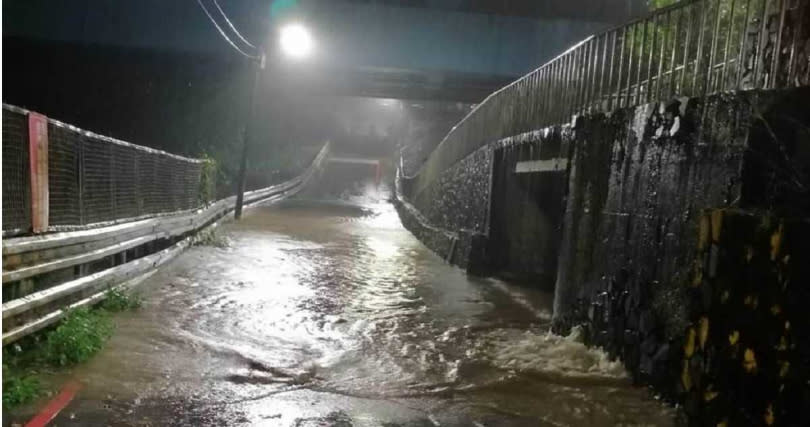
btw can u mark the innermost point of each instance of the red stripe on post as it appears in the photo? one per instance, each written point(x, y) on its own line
point(52, 409)
point(38, 161)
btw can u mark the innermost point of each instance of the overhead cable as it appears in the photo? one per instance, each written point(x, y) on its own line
point(225, 36)
point(231, 25)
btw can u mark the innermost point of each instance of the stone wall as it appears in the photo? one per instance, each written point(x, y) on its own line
point(456, 205)
point(675, 255)
point(459, 199)
point(683, 248)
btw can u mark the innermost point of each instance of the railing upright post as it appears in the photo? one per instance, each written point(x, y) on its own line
point(578, 67)
point(590, 78)
point(664, 39)
point(571, 84)
point(530, 96)
point(38, 170)
point(797, 31)
point(80, 174)
point(777, 48)
point(699, 53)
point(136, 160)
point(594, 58)
point(581, 77)
point(681, 88)
point(548, 96)
point(599, 98)
point(710, 72)
point(671, 84)
point(762, 39)
point(557, 102)
point(741, 54)
point(729, 32)
point(538, 99)
point(609, 104)
point(652, 22)
point(111, 178)
point(619, 76)
point(543, 88)
point(626, 102)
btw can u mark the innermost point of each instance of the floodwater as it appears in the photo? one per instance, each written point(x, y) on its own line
point(330, 313)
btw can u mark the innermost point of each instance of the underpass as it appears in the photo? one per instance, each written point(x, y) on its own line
point(631, 215)
point(324, 310)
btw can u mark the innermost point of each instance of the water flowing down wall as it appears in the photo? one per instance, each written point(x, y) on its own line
point(670, 202)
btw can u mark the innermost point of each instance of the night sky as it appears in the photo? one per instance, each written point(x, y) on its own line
point(157, 72)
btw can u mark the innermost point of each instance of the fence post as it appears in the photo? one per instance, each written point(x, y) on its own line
point(80, 175)
point(38, 162)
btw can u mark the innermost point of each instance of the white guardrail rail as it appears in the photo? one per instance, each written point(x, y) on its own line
point(26, 258)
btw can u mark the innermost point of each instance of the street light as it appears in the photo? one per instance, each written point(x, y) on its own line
point(295, 42)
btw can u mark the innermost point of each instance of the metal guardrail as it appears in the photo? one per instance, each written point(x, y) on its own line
point(93, 180)
point(32, 256)
point(692, 48)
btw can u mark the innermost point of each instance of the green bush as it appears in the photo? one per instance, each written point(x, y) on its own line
point(18, 387)
point(80, 335)
point(208, 180)
point(118, 300)
point(210, 237)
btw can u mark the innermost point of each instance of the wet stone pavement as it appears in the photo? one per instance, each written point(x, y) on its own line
point(332, 314)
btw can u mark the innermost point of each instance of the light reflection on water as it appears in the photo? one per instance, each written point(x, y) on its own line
point(333, 312)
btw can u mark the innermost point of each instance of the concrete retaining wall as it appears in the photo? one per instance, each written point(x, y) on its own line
point(682, 246)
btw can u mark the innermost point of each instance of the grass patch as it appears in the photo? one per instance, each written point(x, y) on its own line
point(81, 334)
point(77, 338)
point(118, 300)
point(210, 237)
point(19, 389)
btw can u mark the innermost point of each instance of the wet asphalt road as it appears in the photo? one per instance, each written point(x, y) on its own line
point(332, 314)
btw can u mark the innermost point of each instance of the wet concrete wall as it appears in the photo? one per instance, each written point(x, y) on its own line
point(457, 203)
point(674, 252)
point(526, 209)
point(675, 247)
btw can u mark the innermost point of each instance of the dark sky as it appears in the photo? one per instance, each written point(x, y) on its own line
point(157, 73)
point(505, 38)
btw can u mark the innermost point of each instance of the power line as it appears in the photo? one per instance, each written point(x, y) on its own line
point(225, 36)
point(231, 25)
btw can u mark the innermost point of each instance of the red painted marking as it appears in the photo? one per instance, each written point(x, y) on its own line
point(52, 409)
point(38, 162)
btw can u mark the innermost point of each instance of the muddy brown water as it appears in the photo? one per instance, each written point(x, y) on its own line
point(330, 313)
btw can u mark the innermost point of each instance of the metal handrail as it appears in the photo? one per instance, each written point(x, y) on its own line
point(692, 48)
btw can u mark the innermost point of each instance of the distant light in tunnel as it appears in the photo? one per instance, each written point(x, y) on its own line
point(296, 41)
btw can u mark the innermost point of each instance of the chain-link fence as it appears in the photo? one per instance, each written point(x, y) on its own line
point(92, 179)
point(16, 185)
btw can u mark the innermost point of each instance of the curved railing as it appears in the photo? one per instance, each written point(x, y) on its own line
point(692, 48)
point(27, 309)
point(93, 180)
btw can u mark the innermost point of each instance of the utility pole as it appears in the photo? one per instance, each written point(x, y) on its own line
point(246, 135)
point(296, 42)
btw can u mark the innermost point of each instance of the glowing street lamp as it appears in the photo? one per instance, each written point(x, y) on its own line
point(295, 41)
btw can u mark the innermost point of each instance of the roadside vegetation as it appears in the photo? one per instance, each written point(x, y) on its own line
point(76, 339)
point(210, 237)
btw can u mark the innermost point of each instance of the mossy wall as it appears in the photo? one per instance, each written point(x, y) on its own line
point(675, 256)
point(683, 246)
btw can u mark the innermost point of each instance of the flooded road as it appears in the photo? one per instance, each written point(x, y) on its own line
point(332, 314)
